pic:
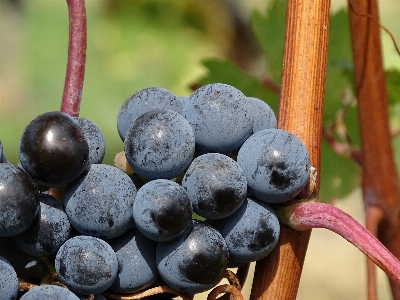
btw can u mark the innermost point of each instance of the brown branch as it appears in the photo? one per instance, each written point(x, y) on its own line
point(76, 58)
point(277, 276)
point(380, 182)
point(268, 83)
point(147, 293)
point(225, 288)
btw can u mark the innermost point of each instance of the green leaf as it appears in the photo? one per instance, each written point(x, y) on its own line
point(269, 30)
point(393, 86)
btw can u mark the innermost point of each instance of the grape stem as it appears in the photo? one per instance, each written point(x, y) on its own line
point(76, 58)
point(307, 215)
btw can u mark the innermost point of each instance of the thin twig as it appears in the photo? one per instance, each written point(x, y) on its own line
point(379, 24)
point(76, 58)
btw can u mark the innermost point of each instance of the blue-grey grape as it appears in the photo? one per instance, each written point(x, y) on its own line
point(216, 185)
point(250, 233)
point(86, 265)
point(49, 230)
point(182, 102)
point(53, 149)
point(100, 202)
point(264, 116)
point(49, 292)
point(143, 101)
point(8, 281)
point(162, 210)
point(137, 267)
point(221, 118)
point(19, 202)
point(195, 261)
point(94, 138)
point(276, 164)
point(159, 144)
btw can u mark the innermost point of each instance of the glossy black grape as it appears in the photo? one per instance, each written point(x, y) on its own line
point(49, 230)
point(195, 261)
point(19, 202)
point(53, 149)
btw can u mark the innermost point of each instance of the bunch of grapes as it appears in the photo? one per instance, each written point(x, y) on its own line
point(195, 196)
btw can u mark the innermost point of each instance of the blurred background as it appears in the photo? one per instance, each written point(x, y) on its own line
point(177, 45)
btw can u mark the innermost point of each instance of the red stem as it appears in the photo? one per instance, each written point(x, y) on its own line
point(76, 58)
point(308, 215)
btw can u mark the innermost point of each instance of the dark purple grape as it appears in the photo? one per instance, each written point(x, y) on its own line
point(216, 185)
point(49, 230)
point(159, 144)
point(143, 101)
point(137, 267)
point(86, 265)
point(94, 138)
point(49, 292)
point(162, 210)
point(19, 202)
point(53, 149)
point(276, 165)
point(221, 118)
point(251, 232)
point(8, 281)
point(100, 202)
point(195, 261)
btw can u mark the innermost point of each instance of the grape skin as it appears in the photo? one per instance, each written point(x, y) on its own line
point(162, 210)
point(49, 230)
point(251, 233)
point(195, 261)
point(86, 265)
point(276, 164)
point(143, 101)
point(19, 202)
point(137, 267)
point(221, 118)
point(264, 116)
point(216, 185)
point(53, 149)
point(159, 144)
point(8, 281)
point(94, 138)
point(100, 202)
point(49, 292)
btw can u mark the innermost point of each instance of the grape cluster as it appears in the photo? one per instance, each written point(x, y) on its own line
point(204, 174)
